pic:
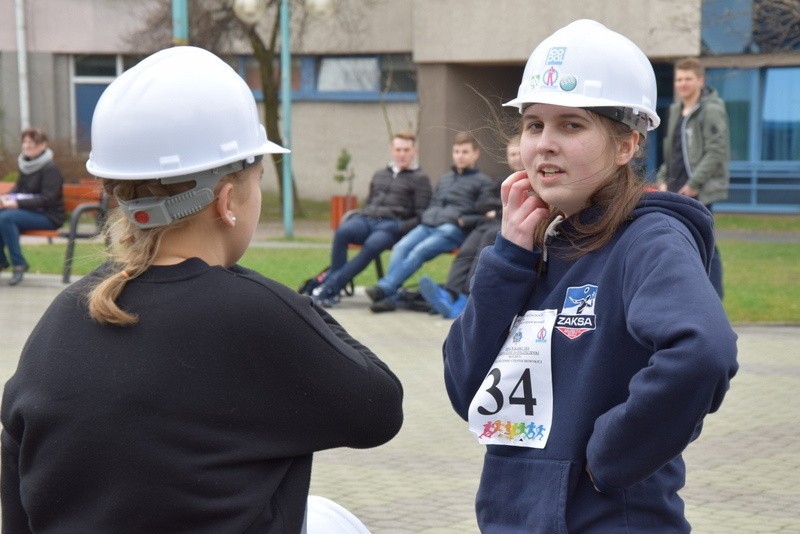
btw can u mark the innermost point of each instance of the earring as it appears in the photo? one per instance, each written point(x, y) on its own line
point(232, 217)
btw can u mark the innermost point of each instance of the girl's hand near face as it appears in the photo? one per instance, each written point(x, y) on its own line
point(522, 210)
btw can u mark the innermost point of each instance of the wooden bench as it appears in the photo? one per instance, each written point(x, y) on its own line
point(84, 198)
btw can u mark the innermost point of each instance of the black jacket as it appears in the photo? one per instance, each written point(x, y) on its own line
point(466, 196)
point(403, 196)
point(45, 187)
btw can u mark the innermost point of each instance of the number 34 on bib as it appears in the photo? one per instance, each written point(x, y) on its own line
point(514, 405)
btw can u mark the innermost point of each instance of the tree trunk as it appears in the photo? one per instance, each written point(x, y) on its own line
point(266, 59)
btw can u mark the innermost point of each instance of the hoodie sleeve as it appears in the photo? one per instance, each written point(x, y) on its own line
point(672, 309)
point(502, 283)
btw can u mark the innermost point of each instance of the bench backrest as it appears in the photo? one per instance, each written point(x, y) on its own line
point(82, 193)
point(88, 192)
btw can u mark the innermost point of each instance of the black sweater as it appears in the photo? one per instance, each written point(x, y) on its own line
point(201, 418)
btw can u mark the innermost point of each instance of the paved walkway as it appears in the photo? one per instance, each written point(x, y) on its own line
point(744, 471)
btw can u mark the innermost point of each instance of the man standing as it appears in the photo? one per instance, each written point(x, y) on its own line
point(398, 194)
point(459, 201)
point(697, 146)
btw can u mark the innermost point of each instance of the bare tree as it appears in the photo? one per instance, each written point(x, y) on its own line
point(757, 27)
point(776, 25)
point(214, 26)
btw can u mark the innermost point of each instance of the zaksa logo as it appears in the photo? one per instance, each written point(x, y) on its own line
point(577, 314)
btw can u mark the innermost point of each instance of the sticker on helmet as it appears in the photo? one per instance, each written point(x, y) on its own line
point(550, 77)
point(555, 56)
point(568, 83)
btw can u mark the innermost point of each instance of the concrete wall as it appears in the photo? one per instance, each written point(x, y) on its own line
point(321, 130)
point(74, 26)
point(358, 26)
point(503, 31)
point(466, 97)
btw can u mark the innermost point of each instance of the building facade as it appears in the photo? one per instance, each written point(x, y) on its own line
point(432, 66)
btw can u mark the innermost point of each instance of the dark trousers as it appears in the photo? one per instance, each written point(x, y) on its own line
point(373, 234)
point(466, 260)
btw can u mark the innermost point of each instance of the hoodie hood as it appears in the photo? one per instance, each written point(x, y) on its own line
point(696, 217)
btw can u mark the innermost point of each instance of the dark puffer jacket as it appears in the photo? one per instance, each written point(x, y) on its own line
point(42, 192)
point(403, 195)
point(464, 195)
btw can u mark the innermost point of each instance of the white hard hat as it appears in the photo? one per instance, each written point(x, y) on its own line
point(586, 65)
point(323, 516)
point(181, 114)
point(179, 111)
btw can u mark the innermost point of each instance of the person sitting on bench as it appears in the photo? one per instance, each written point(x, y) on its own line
point(460, 199)
point(34, 203)
point(449, 299)
point(398, 194)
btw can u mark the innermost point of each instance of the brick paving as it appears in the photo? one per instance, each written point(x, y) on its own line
point(743, 472)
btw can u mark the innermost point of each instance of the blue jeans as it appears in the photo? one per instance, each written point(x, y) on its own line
point(373, 234)
point(418, 246)
point(12, 222)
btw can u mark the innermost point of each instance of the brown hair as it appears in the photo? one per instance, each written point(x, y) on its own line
point(132, 249)
point(692, 64)
point(463, 138)
point(617, 198)
point(406, 135)
point(36, 135)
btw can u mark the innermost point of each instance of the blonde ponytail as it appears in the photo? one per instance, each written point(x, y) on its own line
point(132, 249)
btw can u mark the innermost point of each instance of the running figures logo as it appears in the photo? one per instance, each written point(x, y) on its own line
point(577, 315)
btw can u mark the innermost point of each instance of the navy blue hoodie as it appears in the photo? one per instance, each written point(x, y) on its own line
point(630, 387)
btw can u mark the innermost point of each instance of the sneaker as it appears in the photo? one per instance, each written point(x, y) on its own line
point(457, 307)
point(322, 296)
point(408, 299)
point(375, 293)
point(438, 297)
point(17, 275)
point(384, 305)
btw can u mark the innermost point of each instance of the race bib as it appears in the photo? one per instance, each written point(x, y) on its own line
point(514, 405)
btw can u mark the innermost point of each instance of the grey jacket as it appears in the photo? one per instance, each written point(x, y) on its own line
point(706, 146)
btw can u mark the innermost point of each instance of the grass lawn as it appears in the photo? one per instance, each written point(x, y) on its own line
point(762, 279)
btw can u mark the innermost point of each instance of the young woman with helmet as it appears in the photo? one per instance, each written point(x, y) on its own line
point(172, 390)
point(593, 343)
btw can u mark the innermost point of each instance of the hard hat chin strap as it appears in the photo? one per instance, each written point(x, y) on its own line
point(150, 212)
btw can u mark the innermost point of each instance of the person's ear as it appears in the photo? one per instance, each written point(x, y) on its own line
point(626, 149)
point(223, 205)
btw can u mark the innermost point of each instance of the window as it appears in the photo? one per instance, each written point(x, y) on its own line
point(91, 74)
point(350, 74)
point(390, 77)
point(780, 122)
point(750, 26)
point(95, 65)
point(764, 111)
point(398, 74)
